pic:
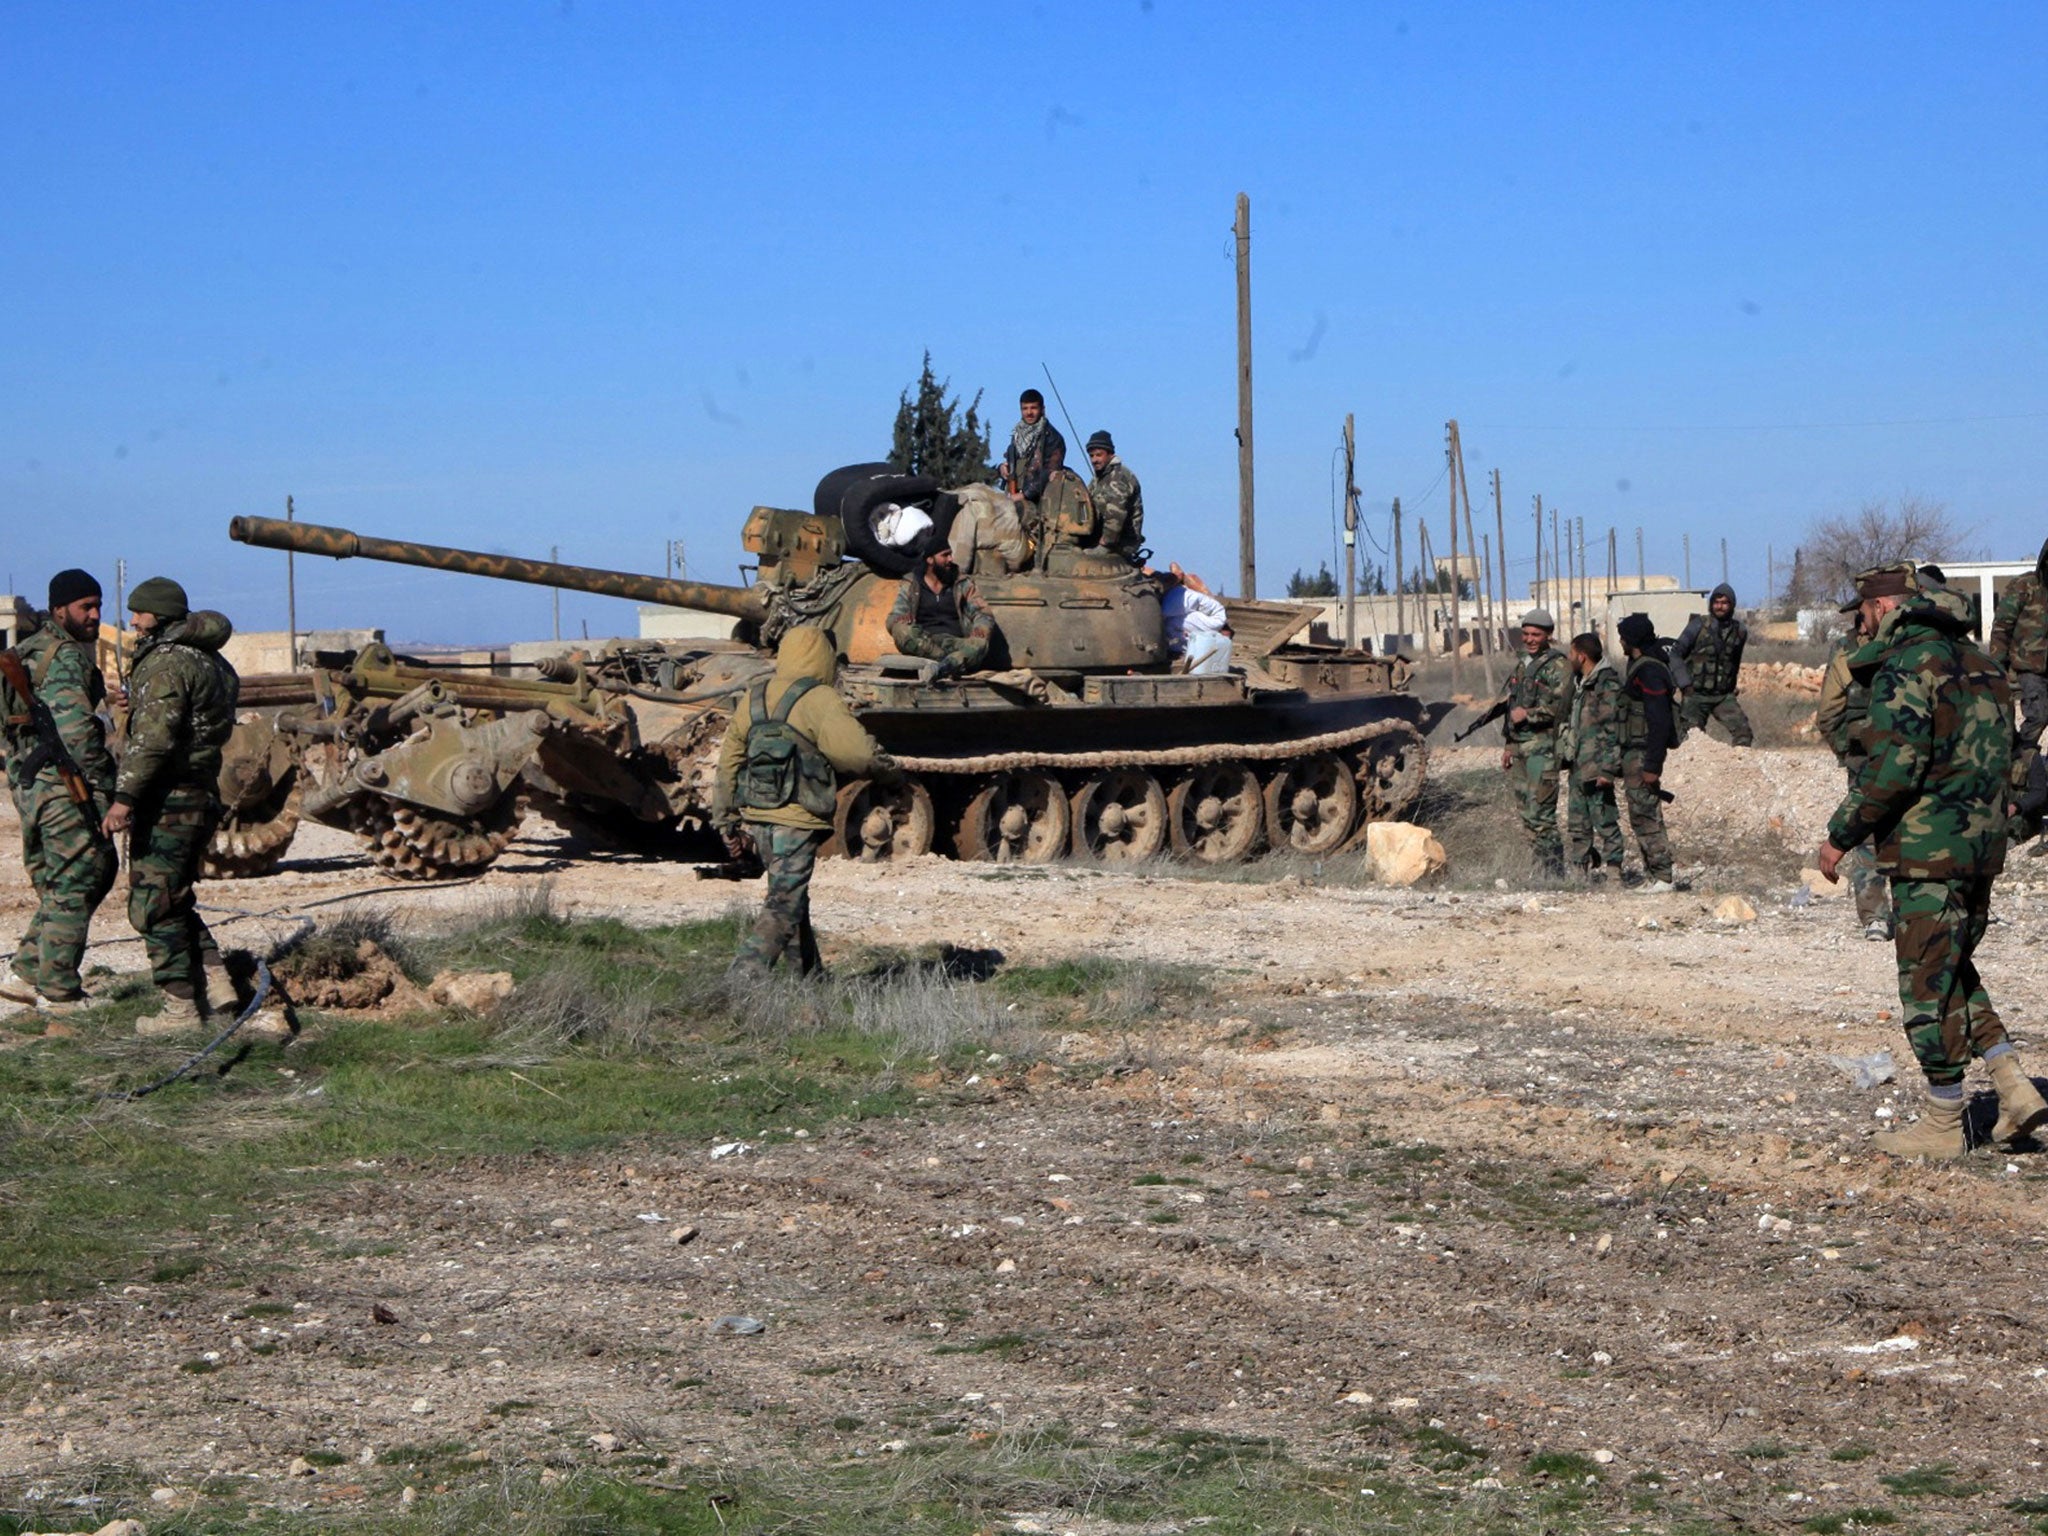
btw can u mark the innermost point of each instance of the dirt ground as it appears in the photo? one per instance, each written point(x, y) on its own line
point(1547, 1171)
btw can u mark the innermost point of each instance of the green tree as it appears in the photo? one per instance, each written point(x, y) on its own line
point(933, 437)
point(1322, 584)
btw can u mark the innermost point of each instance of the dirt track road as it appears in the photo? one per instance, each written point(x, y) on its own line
point(1558, 1171)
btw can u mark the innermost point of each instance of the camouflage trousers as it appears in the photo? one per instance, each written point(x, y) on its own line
point(1646, 820)
point(1699, 708)
point(943, 647)
point(1936, 927)
point(72, 867)
point(1592, 835)
point(1533, 775)
point(1872, 890)
point(790, 853)
point(165, 845)
point(2031, 691)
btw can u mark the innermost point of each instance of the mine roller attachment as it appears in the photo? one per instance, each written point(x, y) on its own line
point(878, 824)
point(1021, 817)
point(416, 844)
point(1120, 816)
point(1311, 804)
point(260, 795)
point(1216, 814)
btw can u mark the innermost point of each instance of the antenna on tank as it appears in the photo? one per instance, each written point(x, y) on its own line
point(1074, 431)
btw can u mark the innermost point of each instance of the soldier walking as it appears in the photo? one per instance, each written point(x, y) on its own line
point(1593, 763)
point(2019, 643)
point(1539, 695)
point(789, 736)
point(1119, 501)
point(1931, 794)
point(1839, 718)
point(181, 712)
point(1707, 661)
point(940, 616)
point(1649, 731)
point(62, 777)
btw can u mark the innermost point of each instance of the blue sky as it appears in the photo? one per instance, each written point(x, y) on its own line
point(602, 274)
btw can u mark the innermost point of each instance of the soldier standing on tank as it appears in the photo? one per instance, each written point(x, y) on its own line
point(940, 616)
point(1839, 720)
point(1593, 763)
point(1119, 502)
point(70, 863)
point(1539, 696)
point(1931, 794)
point(1649, 731)
point(1710, 653)
point(790, 736)
point(181, 712)
point(1036, 450)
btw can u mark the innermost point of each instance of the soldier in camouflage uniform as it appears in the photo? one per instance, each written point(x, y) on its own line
point(1649, 730)
point(1119, 501)
point(1931, 794)
point(69, 862)
point(938, 615)
point(181, 712)
point(1709, 652)
point(2019, 643)
point(1592, 756)
point(789, 834)
point(1539, 699)
point(1839, 719)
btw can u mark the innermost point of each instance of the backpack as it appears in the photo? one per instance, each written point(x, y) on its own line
point(784, 766)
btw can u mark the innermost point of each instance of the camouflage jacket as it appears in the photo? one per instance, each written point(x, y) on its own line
point(1844, 703)
point(1121, 505)
point(181, 708)
point(1541, 684)
point(66, 676)
point(1931, 792)
point(977, 624)
point(1599, 713)
point(2019, 626)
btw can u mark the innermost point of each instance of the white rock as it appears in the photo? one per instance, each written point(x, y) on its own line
point(1364, 1399)
point(407, 1495)
point(122, 1528)
point(300, 1467)
point(1819, 887)
point(477, 992)
point(421, 1405)
point(1603, 1456)
point(604, 1444)
point(1402, 853)
point(1734, 909)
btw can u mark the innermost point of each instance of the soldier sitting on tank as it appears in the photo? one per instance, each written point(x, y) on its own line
point(939, 616)
point(1036, 450)
point(1119, 502)
point(987, 535)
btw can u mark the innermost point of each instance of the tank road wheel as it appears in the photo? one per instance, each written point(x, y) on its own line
point(876, 825)
point(1016, 818)
point(420, 845)
point(1390, 771)
point(1216, 814)
point(1120, 815)
point(1311, 804)
point(253, 841)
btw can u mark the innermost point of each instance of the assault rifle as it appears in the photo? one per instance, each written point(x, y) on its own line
point(49, 749)
point(1494, 711)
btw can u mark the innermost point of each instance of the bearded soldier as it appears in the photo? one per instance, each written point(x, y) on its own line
point(182, 711)
point(62, 777)
point(1706, 659)
point(1931, 794)
point(938, 615)
point(1649, 731)
point(1036, 450)
point(1539, 696)
point(1119, 501)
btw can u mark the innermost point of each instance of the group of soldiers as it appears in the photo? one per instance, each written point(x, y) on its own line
point(1057, 508)
point(78, 799)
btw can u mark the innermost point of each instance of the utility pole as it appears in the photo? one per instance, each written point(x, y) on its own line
point(1557, 570)
point(120, 617)
point(1500, 539)
point(1400, 584)
point(1688, 561)
point(1425, 555)
point(1350, 534)
point(1642, 578)
point(291, 601)
point(1247, 561)
point(1451, 475)
point(1536, 586)
point(555, 554)
point(1724, 560)
point(1482, 630)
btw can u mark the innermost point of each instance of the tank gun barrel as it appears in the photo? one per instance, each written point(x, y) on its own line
point(341, 544)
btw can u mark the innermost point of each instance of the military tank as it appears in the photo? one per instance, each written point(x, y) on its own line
point(1077, 739)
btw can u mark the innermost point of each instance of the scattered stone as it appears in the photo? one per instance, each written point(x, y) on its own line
point(301, 1467)
point(1363, 1399)
point(477, 992)
point(1819, 887)
point(122, 1528)
point(1734, 909)
point(745, 1327)
point(383, 1314)
point(421, 1406)
point(684, 1236)
point(1007, 1267)
point(1402, 853)
point(407, 1495)
point(1405, 1404)
point(893, 1446)
point(604, 1443)
point(1603, 1242)
point(1866, 1071)
point(1603, 1456)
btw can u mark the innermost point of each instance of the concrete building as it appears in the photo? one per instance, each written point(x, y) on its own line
point(659, 622)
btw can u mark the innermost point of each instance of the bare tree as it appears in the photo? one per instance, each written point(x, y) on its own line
point(1877, 533)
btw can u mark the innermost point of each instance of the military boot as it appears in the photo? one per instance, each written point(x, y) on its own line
point(17, 988)
point(2021, 1108)
point(177, 1016)
point(218, 986)
point(1938, 1133)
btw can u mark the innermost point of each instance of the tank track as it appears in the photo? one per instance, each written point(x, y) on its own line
point(419, 845)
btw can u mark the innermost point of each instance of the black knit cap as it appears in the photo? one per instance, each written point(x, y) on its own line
point(1103, 441)
point(68, 587)
point(1636, 630)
